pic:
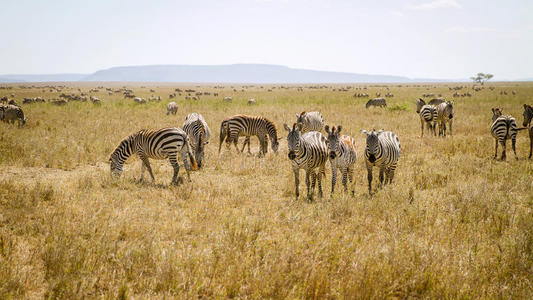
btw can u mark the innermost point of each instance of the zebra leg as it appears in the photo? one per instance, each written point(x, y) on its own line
point(350, 176)
point(422, 127)
point(530, 142)
point(246, 140)
point(313, 181)
point(319, 175)
point(296, 181)
point(496, 149)
point(307, 183)
point(186, 164)
point(513, 143)
point(147, 164)
point(451, 122)
point(504, 145)
point(345, 179)
point(369, 169)
point(235, 142)
point(333, 178)
point(381, 171)
point(174, 163)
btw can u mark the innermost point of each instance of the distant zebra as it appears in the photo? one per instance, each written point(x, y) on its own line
point(428, 116)
point(243, 125)
point(381, 102)
point(445, 115)
point(139, 100)
point(436, 101)
point(342, 156)
point(228, 99)
point(199, 134)
point(383, 151)
point(311, 121)
point(528, 115)
point(157, 144)
point(172, 107)
point(309, 152)
point(252, 102)
point(502, 129)
point(11, 113)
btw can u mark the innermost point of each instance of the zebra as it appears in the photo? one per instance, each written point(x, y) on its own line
point(309, 152)
point(197, 131)
point(243, 125)
point(528, 115)
point(436, 101)
point(381, 102)
point(342, 156)
point(311, 121)
point(383, 151)
point(157, 144)
point(428, 116)
point(172, 107)
point(502, 129)
point(445, 115)
point(12, 113)
point(252, 102)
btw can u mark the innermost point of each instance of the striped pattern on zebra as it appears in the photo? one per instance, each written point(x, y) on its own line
point(311, 121)
point(199, 133)
point(157, 144)
point(243, 125)
point(428, 116)
point(445, 115)
point(528, 115)
point(11, 113)
point(309, 152)
point(436, 101)
point(383, 151)
point(342, 156)
point(502, 129)
point(381, 102)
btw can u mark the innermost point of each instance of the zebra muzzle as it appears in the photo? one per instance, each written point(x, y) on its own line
point(371, 158)
point(292, 155)
point(332, 155)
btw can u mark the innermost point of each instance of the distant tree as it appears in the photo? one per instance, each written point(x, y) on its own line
point(481, 77)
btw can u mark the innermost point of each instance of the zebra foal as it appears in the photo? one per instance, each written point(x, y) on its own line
point(342, 156)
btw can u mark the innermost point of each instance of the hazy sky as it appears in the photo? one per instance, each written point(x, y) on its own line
point(415, 38)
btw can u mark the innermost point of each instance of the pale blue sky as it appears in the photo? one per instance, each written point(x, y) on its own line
point(415, 38)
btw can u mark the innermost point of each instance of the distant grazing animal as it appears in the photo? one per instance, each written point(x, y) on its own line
point(199, 135)
point(139, 100)
point(156, 144)
point(227, 99)
point(445, 115)
point(243, 125)
point(59, 102)
point(383, 151)
point(528, 115)
point(311, 121)
point(342, 155)
point(436, 101)
point(172, 107)
point(428, 116)
point(381, 102)
point(309, 152)
point(502, 129)
point(12, 113)
point(252, 102)
point(12, 102)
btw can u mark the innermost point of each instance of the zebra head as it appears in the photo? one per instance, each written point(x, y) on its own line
point(372, 149)
point(448, 110)
point(300, 118)
point(496, 113)
point(419, 104)
point(332, 141)
point(293, 139)
point(528, 114)
point(116, 166)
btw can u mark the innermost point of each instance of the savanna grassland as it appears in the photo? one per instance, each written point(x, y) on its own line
point(455, 223)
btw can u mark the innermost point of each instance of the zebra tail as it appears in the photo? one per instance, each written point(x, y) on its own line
point(521, 128)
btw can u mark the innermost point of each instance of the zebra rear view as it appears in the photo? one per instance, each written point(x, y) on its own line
point(383, 151)
point(157, 144)
point(502, 129)
point(428, 116)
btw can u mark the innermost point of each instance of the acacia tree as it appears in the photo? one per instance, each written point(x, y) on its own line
point(481, 77)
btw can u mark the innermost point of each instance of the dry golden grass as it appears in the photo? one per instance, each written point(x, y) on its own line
point(454, 224)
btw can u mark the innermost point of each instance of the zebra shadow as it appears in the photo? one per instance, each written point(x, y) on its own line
point(148, 183)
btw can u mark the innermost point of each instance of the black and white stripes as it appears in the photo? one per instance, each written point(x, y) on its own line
point(383, 151)
point(502, 129)
point(342, 155)
point(428, 116)
point(157, 144)
point(310, 121)
point(528, 115)
point(199, 134)
point(243, 125)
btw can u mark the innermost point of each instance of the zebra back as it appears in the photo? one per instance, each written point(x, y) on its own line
point(311, 121)
point(503, 127)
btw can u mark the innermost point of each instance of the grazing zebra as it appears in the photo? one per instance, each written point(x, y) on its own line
point(383, 151)
point(342, 156)
point(502, 129)
point(309, 152)
point(157, 144)
point(228, 99)
point(243, 125)
point(436, 101)
point(172, 107)
point(311, 121)
point(381, 102)
point(528, 115)
point(199, 134)
point(252, 102)
point(139, 100)
point(12, 113)
point(445, 115)
point(428, 116)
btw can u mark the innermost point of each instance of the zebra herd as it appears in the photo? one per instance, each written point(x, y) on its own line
point(437, 113)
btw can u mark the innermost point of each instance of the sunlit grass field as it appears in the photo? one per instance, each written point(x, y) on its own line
point(455, 223)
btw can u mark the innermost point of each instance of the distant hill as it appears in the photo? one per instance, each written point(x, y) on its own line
point(41, 77)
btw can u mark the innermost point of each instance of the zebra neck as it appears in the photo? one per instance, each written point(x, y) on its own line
point(272, 132)
point(125, 150)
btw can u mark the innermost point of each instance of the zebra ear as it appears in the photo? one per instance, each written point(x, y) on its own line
point(286, 127)
point(339, 129)
point(297, 115)
point(364, 132)
point(379, 132)
point(299, 126)
point(326, 128)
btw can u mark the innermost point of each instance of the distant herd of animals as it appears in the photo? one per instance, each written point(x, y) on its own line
point(308, 147)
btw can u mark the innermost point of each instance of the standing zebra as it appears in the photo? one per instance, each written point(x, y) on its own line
point(383, 151)
point(381, 102)
point(157, 144)
point(528, 115)
point(243, 125)
point(11, 113)
point(502, 129)
point(445, 115)
point(428, 116)
point(199, 134)
point(311, 121)
point(172, 107)
point(342, 156)
point(309, 152)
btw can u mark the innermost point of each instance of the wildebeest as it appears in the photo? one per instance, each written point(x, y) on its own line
point(139, 100)
point(381, 102)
